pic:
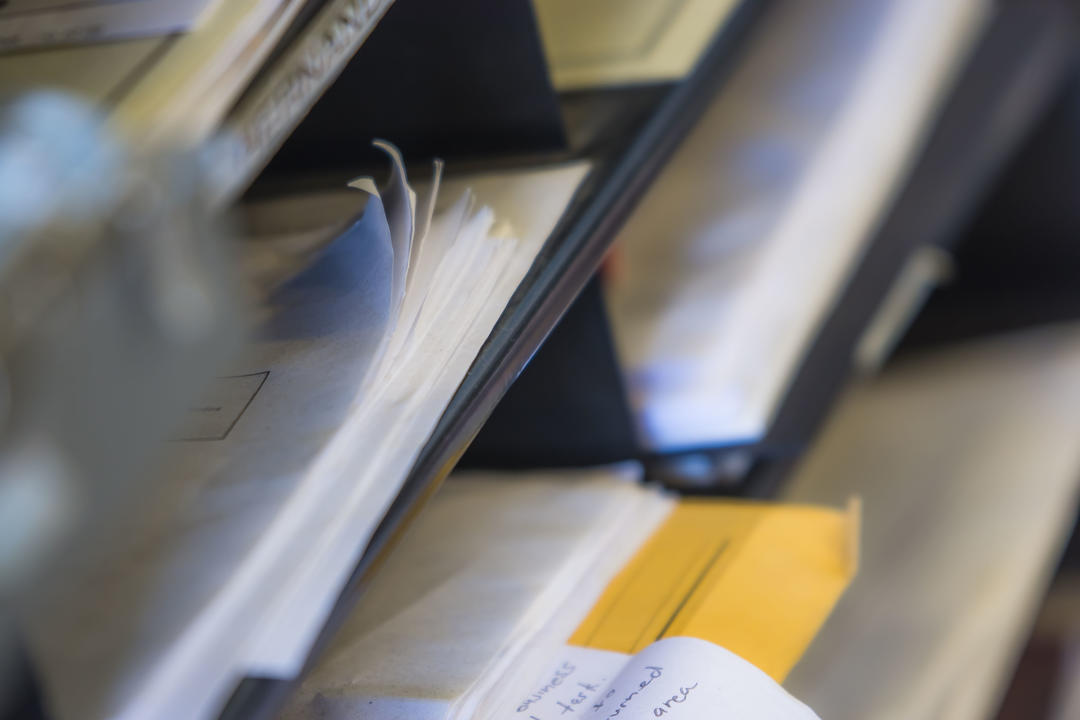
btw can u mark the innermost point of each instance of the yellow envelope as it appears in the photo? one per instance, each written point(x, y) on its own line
point(758, 579)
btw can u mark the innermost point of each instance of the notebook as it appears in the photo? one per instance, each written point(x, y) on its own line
point(283, 468)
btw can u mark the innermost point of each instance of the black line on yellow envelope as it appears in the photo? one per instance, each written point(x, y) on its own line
point(693, 588)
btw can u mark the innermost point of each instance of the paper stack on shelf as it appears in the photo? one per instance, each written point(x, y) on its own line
point(734, 258)
point(502, 557)
point(31, 23)
point(525, 595)
point(289, 463)
point(282, 95)
point(182, 88)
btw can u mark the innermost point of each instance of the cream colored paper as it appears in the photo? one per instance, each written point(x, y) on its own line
point(622, 42)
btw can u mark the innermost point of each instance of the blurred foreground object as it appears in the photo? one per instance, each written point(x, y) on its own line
point(115, 298)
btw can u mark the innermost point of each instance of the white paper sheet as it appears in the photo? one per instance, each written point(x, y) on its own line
point(678, 678)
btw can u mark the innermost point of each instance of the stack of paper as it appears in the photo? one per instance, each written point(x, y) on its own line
point(501, 557)
point(535, 596)
point(180, 89)
point(289, 462)
point(31, 23)
point(734, 258)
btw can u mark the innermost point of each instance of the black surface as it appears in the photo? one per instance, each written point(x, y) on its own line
point(568, 407)
point(21, 697)
point(1018, 264)
point(446, 79)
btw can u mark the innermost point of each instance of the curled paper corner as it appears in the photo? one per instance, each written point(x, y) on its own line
point(397, 168)
point(391, 150)
point(366, 183)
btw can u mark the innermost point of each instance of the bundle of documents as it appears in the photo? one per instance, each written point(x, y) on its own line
point(288, 463)
point(30, 23)
point(248, 68)
point(736, 255)
point(538, 595)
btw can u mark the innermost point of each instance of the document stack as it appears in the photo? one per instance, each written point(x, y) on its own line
point(545, 594)
point(284, 468)
point(523, 313)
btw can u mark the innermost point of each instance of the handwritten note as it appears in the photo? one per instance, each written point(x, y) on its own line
point(573, 686)
point(676, 678)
